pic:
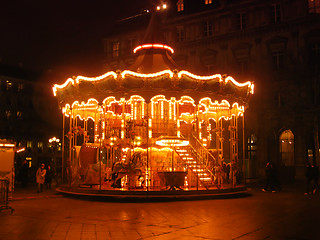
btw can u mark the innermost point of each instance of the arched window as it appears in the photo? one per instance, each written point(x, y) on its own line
point(251, 161)
point(287, 148)
point(252, 146)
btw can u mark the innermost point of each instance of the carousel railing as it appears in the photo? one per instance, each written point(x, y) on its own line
point(192, 161)
point(202, 150)
point(195, 157)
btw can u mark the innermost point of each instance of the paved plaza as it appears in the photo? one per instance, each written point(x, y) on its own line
point(260, 215)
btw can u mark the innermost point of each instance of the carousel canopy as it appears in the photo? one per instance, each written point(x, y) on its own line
point(153, 73)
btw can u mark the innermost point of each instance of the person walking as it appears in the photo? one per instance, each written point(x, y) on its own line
point(271, 175)
point(309, 178)
point(315, 178)
point(49, 176)
point(40, 177)
point(24, 173)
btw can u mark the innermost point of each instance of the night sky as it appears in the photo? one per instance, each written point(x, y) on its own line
point(60, 36)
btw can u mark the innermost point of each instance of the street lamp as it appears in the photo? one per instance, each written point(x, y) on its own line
point(54, 142)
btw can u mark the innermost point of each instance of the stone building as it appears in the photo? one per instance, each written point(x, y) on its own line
point(28, 114)
point(274, 43)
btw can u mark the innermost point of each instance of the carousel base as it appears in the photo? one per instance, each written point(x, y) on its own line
point(171, 194)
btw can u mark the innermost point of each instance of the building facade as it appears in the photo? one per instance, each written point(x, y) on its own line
point(275, 43)
point(28, 114)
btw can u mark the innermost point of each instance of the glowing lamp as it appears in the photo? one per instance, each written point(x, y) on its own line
point(158, 46)
point(7, 145)
point(172, 141)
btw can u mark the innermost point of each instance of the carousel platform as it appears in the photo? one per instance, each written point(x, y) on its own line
point(94, 193)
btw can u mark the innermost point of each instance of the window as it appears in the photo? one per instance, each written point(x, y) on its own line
point(40, 146)
point(252, 146)
point(20, 87)
point(180, 5)
point(315, 51)
point(29, 144)
point(210, 68)
point(116, 49)
point(180, 33)
point(8, 85)
point(275, 13)
point(19, 114)
point(241, 54)
point(208, 28)
point(8, 114)
point(280, 101)
point(242, 21)
point(131, 45)
point(277, 60)
point(287, 148)
point(314, 6)
point(242, 65)
point(251, 162)
point(207, 2)
point(8, 101)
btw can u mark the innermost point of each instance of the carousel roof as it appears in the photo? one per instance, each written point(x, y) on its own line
point(153, 73)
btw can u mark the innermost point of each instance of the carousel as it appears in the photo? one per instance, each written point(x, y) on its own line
point(153, 127)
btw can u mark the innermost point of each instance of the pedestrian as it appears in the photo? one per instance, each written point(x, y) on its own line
point(308, 174)
point(270, 175)
point(275, 179)
point(40, 176)
point(24, 173)
point(219, 175)
point(49, 176)
point(315, 178)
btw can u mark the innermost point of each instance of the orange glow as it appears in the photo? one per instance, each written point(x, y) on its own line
point(151, 75)
point(7, 145)
point(20, 150)
point(77, 80)
point(148, 46)
point(248, 84)
point(227, 79)
point(214, 110)
point(172, 141)
point(199, 77)
point(56, 86)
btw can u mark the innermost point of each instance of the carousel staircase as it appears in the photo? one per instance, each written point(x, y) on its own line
point(194, 161)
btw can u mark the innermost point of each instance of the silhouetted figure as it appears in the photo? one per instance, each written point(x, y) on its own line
point(272, 181)
point(275, 179)
point(309, 178)
point(116, 180)
point(315, 178)
point(49, 177)
point(41, 175)
point(24, 173)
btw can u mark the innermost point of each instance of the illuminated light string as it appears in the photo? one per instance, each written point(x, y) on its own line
point(78, 78)
point(7, 145)
point(172, 142)
point(20, 150)
point(183, 72)
point(92, 104)
point(144, 75)
point(186, 100)
point(155, 45)
point(91, 79)
point(249, 84)
point(57, 87)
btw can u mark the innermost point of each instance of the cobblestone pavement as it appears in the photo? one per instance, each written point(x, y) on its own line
point(262, 215)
